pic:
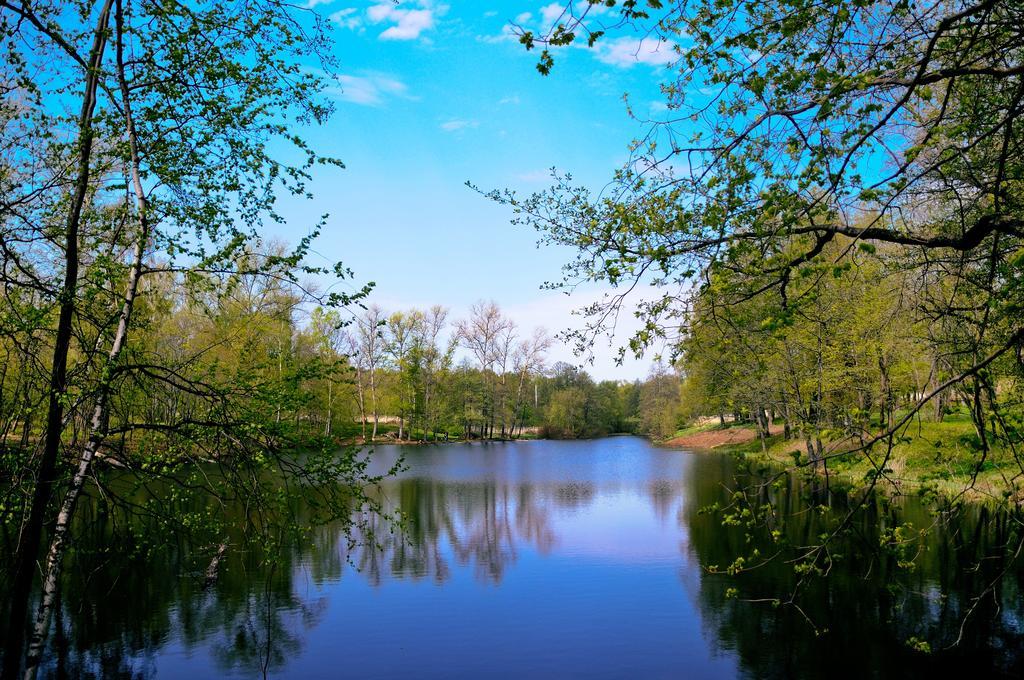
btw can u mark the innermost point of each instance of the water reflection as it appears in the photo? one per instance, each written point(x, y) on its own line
point(960, 596)
point(554, 559)
point(476, 525)
point(124, 608)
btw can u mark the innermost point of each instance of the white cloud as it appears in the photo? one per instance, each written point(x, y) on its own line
point(512, 99)
point(369, 89)
point(379, 13)
point(458, 124)
point(507, 34)
point(347, 18)
point(311, 4)
point(549, 14)
point(407, 24)
point(410, 25)
point(629, 51)
point(523, 18)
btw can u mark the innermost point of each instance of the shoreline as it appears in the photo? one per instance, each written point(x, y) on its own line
point(358, 441)
point(930, 458)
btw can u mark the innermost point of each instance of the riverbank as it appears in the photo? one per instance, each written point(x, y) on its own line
point(713, 437)
point(943, 458)
point(390, 438)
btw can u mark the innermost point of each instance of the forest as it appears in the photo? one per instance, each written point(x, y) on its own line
point(315, 375)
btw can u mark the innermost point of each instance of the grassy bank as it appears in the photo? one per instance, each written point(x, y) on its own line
point(941, 457)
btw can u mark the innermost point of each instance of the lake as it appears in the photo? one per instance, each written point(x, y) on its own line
point(562, 559)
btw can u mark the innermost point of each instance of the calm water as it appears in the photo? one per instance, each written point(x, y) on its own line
point(554, 559)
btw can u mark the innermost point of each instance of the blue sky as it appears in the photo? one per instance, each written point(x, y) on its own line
point(429, 96)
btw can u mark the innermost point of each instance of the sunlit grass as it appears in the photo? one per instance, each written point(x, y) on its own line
point(944, 457)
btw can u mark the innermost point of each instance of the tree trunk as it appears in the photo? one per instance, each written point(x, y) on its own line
point(884, 397)
point(46, 474)
point(373, 400)
point(330, 415)
point(428, 422)
point(100, 417)
point(757, 414)
point(6, 423)
point(362, 402)
point(517, 413)
point(502, 403)
point(940, 398)
point(812, 454)
point(26, 411)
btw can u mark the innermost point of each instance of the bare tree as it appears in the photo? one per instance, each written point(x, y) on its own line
point(505, 348)
point(481, 334)
point(371, 350)
point(528, 360)
point(436, 360)
point(352, 348)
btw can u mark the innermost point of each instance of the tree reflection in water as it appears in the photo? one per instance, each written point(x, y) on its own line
point(475, 524)
point(869, 611)
point(252, 620)
point(128, 610)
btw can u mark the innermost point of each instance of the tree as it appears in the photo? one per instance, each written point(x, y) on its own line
point(371, 354)
point(435, 359)
point(527, 361)
point(489, 336)
point(164, 173)
point(329, 341)
point(399, 343)
point(659, 403)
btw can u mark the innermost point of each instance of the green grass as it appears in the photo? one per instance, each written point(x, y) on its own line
point(693, 429)
point(944, 458)
point(707, 427)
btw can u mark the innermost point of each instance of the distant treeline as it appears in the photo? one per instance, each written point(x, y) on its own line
point(398, 376)
point(252, 353)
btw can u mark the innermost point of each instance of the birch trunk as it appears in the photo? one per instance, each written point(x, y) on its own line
point(100, 415)
point(32, 536)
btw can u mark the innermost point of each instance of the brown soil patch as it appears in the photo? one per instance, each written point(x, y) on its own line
point(710, 439)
